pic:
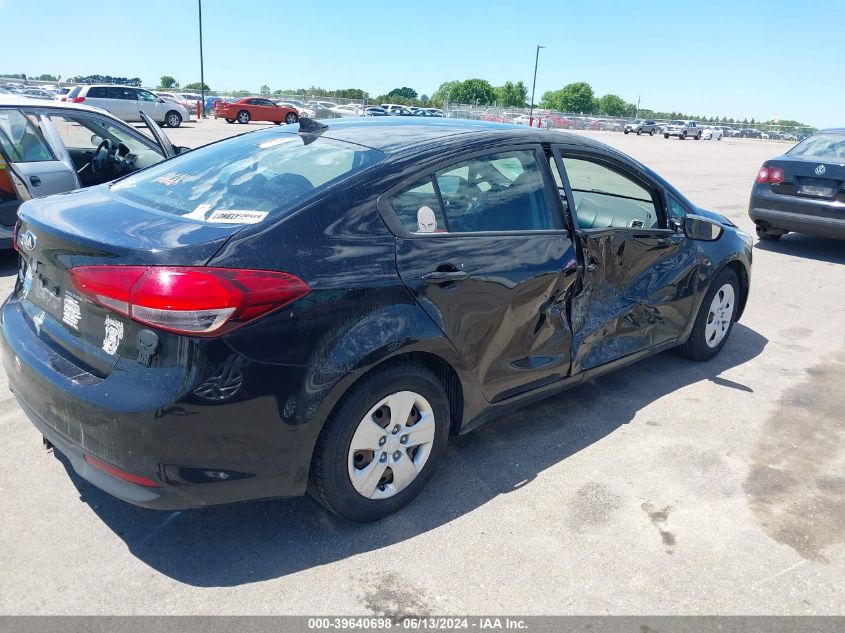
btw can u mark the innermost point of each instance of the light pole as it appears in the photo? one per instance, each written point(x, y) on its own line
point(534, 86)
point(202, 74)
point(637, 115)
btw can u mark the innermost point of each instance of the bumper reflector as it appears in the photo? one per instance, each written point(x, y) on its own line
point(120, 474)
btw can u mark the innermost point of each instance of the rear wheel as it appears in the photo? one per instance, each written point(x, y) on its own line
point(243, 116)
point(651, 132)
point(230, 120)
point(715, 318)
point(665, 136)
point(698, 137)
point(639, 132)
point(626, 131)
point(381, 445)
point(682, 136)
point(291, 118)
point(173, 119)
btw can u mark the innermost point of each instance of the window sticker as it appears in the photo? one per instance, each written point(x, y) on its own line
point(426, 222)
point(38, 320)
point(171, 179)
point(71, 313)
point(113, 336)
point(199, 212)
point(236, 216)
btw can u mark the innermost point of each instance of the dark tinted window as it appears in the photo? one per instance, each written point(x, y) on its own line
point(98, 92)
point(497, 192)
point(119, 92)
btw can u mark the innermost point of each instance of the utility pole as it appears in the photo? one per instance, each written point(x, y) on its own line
point(202, 74)
point(637, 115)
point(533, 87)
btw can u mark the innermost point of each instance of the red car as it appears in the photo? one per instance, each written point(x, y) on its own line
point(256, 109)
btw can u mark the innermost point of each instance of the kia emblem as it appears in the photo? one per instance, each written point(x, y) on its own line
point(28, 240)
point(820, 170)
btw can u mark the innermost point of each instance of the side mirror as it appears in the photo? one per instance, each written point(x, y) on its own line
point(697, 227)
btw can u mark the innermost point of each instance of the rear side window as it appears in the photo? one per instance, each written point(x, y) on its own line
point(246, 179)
point(497, 192)
point(98, 93)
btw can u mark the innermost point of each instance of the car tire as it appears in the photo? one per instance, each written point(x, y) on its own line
point(173, 119)
point(626, 131)
point(767, 234)
point(651, 133)
point(639, 132)
point(230, 120)
point(291, 118)
point(682, 136)
point(715, 318)
point(698, 137)
point(362, 409)
point(243, 117)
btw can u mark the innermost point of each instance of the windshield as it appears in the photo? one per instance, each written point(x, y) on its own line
point(245, 179)
point(678, 123)
point(829, 146)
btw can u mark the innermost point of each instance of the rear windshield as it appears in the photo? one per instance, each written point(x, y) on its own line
point(248, 178)
point(829, 146)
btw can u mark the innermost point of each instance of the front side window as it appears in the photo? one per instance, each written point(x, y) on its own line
point(245, 179)
point(83, 133)
point(20, 138)
point(144, 95)
point(606, 198)
point(497, 192)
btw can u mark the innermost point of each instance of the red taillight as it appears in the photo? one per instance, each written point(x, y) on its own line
point(78, 99)
point(114, 471)
point(198, 301)
point(772, 175)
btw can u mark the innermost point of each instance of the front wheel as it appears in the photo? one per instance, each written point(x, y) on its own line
point(381, 445)
point(698, 138)
point(243, 117)
point(291, 118)
point(682, 136)
point(665, 136)
point(173, 119)
point(230, 120)
point(715, 318)
point(651, 132)
point(626, 131)
point(639, 132)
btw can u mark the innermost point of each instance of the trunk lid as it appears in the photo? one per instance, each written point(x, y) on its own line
point(813, 179)
point(93, 227)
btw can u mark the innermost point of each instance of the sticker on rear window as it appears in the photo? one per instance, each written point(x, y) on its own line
point(232, 216)
point(71, 314)
point(114, 335)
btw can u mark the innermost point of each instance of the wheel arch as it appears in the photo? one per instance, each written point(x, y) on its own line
point(744, 283)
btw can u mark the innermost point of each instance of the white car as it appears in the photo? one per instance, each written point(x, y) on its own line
point(348, 110)
point(128, 102)
point(712, 134)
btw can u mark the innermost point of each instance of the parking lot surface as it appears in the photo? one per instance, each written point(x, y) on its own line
point(669, 487)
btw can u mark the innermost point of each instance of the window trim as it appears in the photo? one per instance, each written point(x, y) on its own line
point(624, 168)
point(394, 224)
point(38, 133)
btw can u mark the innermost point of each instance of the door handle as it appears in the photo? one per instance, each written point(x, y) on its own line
point(445, 276)
point(35, 181)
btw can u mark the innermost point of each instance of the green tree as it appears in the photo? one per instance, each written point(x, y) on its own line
point(404, 92)
point(46, 77)
point(265, 90)
point(614, 105)
point(444, 92)
point(512, 95)
point(196, 87)
point(166, 82)
point(473, 91)
point(574, 97)
point(424, 99)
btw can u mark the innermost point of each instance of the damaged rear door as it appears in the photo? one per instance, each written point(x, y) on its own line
point(637, 283)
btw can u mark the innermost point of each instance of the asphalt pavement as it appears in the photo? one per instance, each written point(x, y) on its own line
point(669, 487)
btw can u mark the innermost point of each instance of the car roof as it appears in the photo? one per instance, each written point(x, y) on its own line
point(395, 134)
point(20, 100)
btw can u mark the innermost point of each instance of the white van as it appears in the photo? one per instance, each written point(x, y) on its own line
point(127, 103)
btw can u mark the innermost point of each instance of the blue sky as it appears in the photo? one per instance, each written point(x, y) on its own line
point(739, 58)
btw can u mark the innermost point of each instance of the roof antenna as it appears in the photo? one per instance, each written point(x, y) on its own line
point(311, 127)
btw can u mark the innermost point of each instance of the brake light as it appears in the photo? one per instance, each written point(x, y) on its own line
point(197, 301)
point(772, 175)
point(78, 99)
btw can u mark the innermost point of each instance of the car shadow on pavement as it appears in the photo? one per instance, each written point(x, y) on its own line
point(823, 249)
point(237, 544)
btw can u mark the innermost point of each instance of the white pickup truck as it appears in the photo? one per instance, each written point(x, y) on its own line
point(683, 129)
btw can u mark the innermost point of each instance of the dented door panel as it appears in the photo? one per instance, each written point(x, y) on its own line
point(637, 292)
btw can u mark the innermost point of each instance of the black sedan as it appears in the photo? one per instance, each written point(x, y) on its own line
point(319, 307)
point(803, 190)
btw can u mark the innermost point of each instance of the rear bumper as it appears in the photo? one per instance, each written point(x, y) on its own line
point(802, 215)
point(148, 422)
